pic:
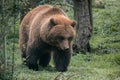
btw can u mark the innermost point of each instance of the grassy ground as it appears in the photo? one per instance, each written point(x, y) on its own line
point(82, 67)
point(102, 64)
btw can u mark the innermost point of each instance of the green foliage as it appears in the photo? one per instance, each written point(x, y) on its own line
point(117, 59)
point(106, 32)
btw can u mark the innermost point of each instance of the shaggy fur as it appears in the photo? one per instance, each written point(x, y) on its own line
point(43, 30)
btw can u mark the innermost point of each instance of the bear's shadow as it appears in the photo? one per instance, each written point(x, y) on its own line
point(48, 68)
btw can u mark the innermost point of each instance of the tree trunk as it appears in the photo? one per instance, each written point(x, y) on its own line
point(83, 15)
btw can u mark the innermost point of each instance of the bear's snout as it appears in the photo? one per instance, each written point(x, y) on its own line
point(64, 45)
point(66, 50)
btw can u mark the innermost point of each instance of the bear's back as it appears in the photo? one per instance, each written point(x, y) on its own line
point(45, 14)
point(31, 15)
point(40, 13)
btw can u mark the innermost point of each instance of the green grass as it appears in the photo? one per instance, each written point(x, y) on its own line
point(82, 67)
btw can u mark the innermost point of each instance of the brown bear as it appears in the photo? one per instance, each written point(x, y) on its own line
point(43, 31)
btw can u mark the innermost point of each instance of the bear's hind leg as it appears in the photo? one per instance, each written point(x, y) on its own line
point(44, 59)
point(23, 39)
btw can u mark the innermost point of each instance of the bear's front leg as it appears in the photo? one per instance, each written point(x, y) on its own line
point(32, 59)
point(61, 60)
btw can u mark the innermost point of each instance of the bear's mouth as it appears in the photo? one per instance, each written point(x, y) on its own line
point(63, 51)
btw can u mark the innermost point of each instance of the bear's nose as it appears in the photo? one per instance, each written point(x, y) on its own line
point(66, 50)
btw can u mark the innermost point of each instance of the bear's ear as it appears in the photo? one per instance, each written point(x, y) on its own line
point(52, 22)
point(74, 23)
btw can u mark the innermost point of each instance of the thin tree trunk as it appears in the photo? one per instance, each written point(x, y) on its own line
point(4, 54)
point(83, 15)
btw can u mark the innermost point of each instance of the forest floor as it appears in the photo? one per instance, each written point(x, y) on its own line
point(82, 67)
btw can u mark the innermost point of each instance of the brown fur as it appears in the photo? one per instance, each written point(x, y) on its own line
point(46, 29)
point(25, 26)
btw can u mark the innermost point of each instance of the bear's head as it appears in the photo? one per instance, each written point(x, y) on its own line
point(61, 32)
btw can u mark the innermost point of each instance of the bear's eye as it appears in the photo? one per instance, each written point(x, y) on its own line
point(60, 38)
point(70, 38)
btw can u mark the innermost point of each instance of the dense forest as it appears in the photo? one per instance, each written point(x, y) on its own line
point(101, 62)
